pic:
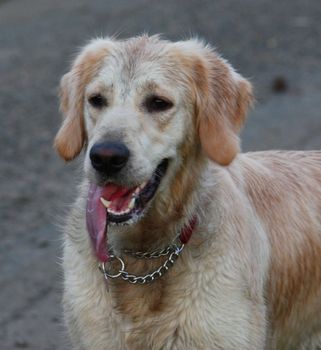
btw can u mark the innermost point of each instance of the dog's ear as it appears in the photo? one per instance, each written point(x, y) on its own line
point(71, 136)
point(222, 98)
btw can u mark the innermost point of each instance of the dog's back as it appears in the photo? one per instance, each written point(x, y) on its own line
point(285, 189)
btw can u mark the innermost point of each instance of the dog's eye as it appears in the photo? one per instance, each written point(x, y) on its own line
point(97, 101)
point(157, 104)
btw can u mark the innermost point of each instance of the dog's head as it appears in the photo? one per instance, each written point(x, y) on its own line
point(143, 107)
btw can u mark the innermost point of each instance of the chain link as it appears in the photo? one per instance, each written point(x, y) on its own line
point(151, 255)
point(173, 251)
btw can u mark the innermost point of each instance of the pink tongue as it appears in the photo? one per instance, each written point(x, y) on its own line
point(96, 217)
point(96, 214)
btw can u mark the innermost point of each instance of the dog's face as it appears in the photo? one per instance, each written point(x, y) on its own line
point(142, 107)
point(136, 117)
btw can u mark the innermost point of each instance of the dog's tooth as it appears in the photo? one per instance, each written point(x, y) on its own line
point(105, 202)
point(111, 211)
point(131, 203)
point(115, 212)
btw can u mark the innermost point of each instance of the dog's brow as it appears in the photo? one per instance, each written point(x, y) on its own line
point(100, 87)
point(151, 85)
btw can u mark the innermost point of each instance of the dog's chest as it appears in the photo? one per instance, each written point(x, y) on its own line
point(151, 319)
point(167, 315)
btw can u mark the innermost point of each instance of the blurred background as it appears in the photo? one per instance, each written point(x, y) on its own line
point(276, 44)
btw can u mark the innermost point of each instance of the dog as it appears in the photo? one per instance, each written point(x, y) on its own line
point(176, 239)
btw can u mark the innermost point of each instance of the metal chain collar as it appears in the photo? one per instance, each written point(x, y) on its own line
point(173, 252)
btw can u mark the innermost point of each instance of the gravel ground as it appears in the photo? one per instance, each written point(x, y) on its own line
point(274, 43)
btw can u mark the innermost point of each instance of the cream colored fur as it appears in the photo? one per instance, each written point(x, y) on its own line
point(250, 276)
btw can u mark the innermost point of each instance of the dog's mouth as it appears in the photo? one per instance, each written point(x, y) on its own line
point(125, 205)
point(115, 204)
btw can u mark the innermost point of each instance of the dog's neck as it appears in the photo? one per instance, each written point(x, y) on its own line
point(153, 232)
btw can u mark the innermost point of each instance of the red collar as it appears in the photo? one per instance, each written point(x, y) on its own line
point(188, 230)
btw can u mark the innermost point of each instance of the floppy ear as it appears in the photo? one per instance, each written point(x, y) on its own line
point(71, 136)
point(222, 100)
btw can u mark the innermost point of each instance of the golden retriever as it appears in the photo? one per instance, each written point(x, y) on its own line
point(159, 122)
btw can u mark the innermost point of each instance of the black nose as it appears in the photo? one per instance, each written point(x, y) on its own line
point(109, 157)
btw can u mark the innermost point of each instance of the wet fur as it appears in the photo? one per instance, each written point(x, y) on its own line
point(250, 277)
